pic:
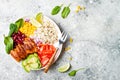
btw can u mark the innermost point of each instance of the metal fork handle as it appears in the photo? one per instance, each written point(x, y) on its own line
point(50, 61)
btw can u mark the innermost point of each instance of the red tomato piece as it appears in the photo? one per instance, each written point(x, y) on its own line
point(45, 52)
point(44, 61)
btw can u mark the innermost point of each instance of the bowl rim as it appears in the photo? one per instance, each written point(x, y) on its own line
point(59, 35)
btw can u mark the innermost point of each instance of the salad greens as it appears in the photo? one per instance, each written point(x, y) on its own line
point(19, 23)
point(8, 41)
point(13, 28)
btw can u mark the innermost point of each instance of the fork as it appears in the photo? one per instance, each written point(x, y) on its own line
point(61, 41)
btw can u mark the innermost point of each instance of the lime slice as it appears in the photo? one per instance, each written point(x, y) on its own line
point(64, 68)
point(34, 22)
point(39, 18)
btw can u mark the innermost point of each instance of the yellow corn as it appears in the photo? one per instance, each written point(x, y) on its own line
point(71, 40)
point(67, 48)
point(70, 58)
point(79, 8)
point(28, 29)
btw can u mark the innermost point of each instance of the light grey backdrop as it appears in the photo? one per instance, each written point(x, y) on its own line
point(95, 33)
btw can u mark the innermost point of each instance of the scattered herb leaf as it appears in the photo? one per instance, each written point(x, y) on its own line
point(65, 12)
point(56, 9)
point(73, 72)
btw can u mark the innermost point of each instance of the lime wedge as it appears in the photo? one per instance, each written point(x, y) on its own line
point(64, 68)
point(34, 22)
point(39, 18)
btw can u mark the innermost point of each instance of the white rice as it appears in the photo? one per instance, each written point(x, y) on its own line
point(47, 33)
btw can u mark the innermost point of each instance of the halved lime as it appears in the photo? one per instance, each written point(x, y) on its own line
point(39, 18)
point(34, 22)
point(64, 68)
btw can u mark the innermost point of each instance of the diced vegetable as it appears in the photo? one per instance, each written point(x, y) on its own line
point(45, 52)
point(28, 29)
point(44, 61)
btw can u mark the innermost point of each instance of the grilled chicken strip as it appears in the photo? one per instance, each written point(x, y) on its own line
point(23, 50)
point(15, 55)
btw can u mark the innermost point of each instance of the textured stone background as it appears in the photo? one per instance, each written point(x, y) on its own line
point(96, 34)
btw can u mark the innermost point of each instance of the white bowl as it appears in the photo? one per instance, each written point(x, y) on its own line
point(59, 35)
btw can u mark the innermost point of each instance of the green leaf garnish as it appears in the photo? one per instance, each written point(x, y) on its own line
point(73, 72)
point(19, 22)
point(65, 12)
point(13, 28)
point(56, 9)
point(8, 41)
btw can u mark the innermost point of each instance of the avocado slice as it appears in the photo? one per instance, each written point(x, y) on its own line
point(32, 62)
point(27, 68)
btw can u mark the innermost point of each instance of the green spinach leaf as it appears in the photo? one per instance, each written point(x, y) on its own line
point(73, 72)
point(8, 41)
point(56, 9)
point(19, 23)
point(65, 12)
point(13, 28)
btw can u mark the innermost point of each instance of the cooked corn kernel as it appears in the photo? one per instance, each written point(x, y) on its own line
point(83, 8)
point(70, 58)
point(28, 29)
point(71, 40)
point(79, 8)
point(67, 48)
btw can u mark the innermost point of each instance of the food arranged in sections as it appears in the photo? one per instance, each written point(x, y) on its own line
point(31, 41)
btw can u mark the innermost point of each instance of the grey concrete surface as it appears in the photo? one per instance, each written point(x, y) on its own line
point(95, 33)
